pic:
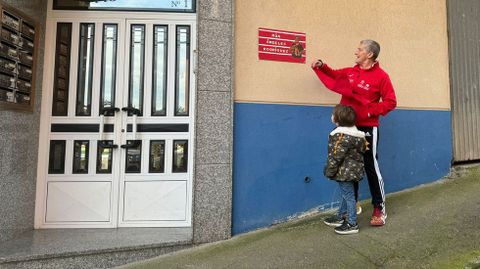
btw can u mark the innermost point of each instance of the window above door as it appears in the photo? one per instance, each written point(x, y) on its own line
point(183, 6)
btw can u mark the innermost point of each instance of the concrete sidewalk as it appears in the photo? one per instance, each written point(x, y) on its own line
point(432, 226)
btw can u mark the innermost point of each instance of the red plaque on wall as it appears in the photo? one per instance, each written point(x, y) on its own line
point(280, 45)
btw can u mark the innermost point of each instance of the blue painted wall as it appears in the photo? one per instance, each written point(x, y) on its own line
point(277, 146)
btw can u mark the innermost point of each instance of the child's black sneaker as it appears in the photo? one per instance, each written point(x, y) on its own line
point(333, 221)
point(347, 228)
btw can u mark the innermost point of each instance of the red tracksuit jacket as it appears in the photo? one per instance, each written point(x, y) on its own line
point(369, 92)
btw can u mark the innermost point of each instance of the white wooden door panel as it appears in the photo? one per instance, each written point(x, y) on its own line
point(78, 201)
point(155, 201)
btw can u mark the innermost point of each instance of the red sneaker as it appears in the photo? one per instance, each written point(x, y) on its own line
point(378, 218)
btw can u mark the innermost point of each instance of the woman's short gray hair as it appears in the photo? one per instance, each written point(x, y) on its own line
point(372, 46)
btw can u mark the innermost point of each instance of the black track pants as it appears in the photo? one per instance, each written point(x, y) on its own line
point(375, 180)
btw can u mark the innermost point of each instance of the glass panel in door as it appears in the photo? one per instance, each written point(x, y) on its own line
point(109, 68)
point(182, 72)
point(85, 69)
point(62, 69)
point(159, 82)
point(137, 65)
point(80, 156)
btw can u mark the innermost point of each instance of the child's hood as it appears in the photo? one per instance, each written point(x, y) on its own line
point(353, 131)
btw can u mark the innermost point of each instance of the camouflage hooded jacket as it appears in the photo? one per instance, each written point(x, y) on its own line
point(346, 146)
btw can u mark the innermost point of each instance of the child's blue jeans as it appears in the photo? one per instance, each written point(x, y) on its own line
point(348, 204)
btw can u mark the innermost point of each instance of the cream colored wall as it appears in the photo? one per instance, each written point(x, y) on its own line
point(412, 35)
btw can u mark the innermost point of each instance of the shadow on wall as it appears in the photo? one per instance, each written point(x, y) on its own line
point(277, 146)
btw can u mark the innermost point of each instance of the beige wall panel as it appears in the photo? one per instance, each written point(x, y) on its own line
point(412, 34)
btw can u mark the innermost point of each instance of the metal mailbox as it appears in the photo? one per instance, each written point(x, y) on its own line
point(18, 46)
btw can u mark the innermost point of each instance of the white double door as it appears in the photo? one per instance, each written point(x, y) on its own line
point(117, 124)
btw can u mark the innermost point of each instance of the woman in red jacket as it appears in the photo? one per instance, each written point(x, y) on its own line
point(368, 89)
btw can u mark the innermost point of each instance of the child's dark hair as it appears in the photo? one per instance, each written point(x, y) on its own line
point(344, 115)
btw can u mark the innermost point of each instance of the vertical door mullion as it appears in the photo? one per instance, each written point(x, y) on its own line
point(97, 66)
point(171, 70)
point(168, 156)
point(121, 84)
point(147, 92)
point(125, 39)
point(125, 91)
point(92, 157)
point(68, 157)
point(72, 99)
point(120, 92)
point(145, 155)
point(191, 116)
point(148, 64)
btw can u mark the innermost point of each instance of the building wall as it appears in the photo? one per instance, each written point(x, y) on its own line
point(19, 144)
point(282, 111)
point(214, 123)
point(463, 22)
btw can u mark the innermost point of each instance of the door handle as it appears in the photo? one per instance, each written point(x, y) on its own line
point(106, 145)
point(132, 110)
point(135, 112)
point(104, 112)
point(134, 144)
point(107, 110)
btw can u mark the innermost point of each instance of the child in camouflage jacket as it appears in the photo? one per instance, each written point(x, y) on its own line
point(346, 145)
